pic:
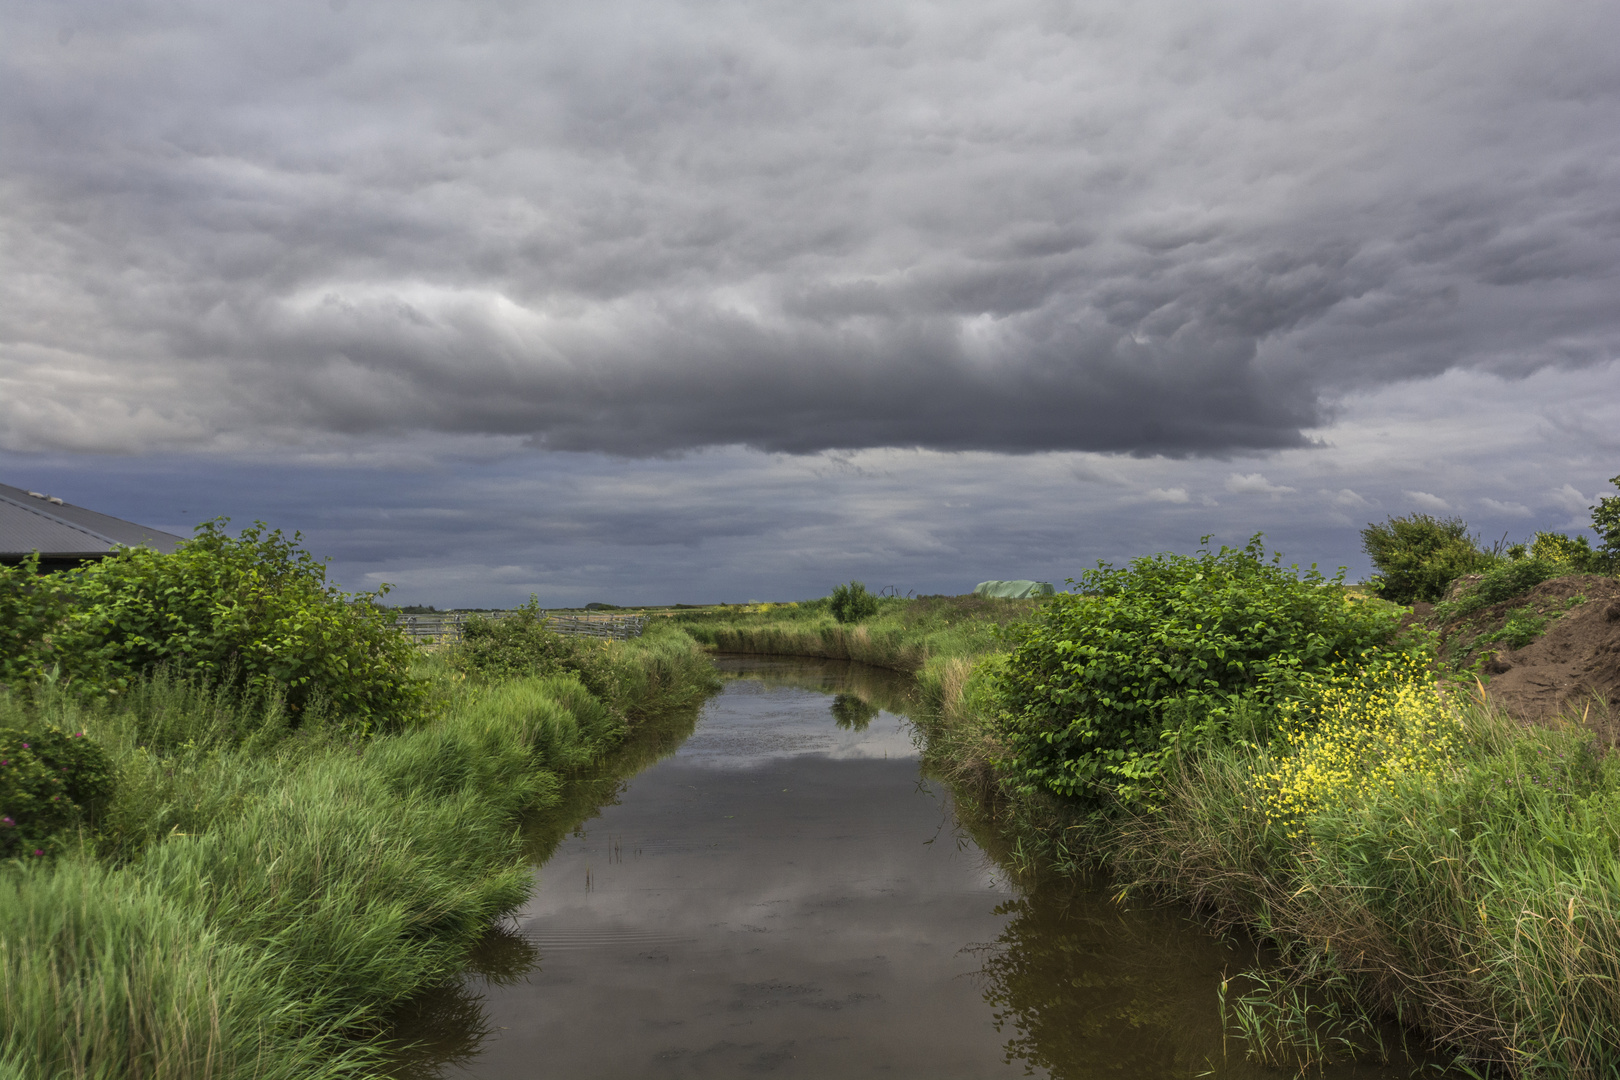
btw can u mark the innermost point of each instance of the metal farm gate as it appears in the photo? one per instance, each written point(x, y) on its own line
point(444, 628)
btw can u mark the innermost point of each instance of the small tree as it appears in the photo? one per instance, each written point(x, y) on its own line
point(1418, 556)
point(1606, 523)
point(852, 603)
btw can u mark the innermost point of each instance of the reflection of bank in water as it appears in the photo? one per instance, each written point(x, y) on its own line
point(1074, 976)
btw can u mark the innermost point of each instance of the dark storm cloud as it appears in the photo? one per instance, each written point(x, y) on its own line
point(451, 528)
point(1160, 227)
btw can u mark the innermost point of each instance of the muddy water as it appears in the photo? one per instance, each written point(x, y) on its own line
point(786, 894)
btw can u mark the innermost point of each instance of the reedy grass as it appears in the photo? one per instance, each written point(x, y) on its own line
point(104, 977)
point(660, 673)
point(257, 896)
point(1481, 907)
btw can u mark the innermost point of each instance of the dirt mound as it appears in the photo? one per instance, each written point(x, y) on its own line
point(1572, 662)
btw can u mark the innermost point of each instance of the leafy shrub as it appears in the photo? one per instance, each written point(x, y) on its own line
point(1502, 582)
point(521, 644)
point(1109, 678)
point(1569, 555)
point(31, 605)
point(49, 781)
point(1523, 626)
point(852, 603)
point(253, 611)
point(1418, 556)
point(517, 644)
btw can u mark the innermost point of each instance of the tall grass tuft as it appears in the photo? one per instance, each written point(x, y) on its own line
point(104, 977)
point(658, 674)
point(362, 886)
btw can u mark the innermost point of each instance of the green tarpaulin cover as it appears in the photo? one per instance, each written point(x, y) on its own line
point(1013, 590)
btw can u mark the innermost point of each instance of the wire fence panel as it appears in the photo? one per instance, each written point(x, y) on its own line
point(446, 628)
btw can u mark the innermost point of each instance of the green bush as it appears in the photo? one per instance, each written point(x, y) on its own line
point(50, 780)
point(1500, 583)
point(1571, 555)
point(185, 754)
point(253, 611)
point(1107, 680)
point(520, 644)
point(852, 603)
point(1418, 556)
point(1523, 626)
point(1606, 523)
point(513, 645)
point(31, 606)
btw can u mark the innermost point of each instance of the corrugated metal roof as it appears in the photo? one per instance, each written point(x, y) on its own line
point(31, 522)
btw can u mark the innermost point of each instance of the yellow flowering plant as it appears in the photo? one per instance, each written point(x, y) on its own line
point(1357, 733)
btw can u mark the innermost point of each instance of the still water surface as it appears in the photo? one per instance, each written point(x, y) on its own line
point(786, 894)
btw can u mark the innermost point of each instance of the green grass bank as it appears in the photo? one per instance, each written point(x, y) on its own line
point(1273, 750)
point(262, 886)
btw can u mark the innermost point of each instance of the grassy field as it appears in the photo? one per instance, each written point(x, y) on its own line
point(257, 896)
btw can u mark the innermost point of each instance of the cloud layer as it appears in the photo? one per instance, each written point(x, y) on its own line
point(1149, 227)
point(449, 527)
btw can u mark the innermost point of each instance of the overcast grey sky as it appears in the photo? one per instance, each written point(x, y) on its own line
point(639, 300)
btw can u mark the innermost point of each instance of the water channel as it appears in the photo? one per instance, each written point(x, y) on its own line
point(779, 890)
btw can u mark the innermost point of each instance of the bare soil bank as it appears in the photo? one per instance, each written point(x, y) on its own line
point(1572, 668)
